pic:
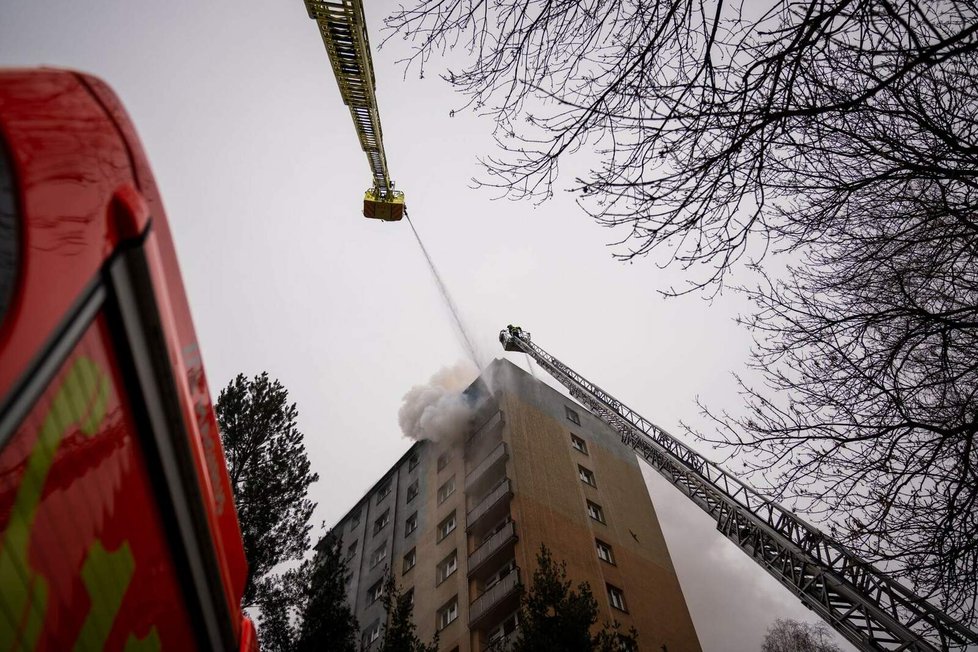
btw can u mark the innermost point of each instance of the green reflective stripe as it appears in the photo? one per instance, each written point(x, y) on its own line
point(81, 399)
point(32, 618)
point(149, 643)
point(89, 378)
point(106, 576)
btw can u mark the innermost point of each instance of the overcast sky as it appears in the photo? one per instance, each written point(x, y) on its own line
point(262, 178)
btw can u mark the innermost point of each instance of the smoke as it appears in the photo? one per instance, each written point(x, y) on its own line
point(438, 411)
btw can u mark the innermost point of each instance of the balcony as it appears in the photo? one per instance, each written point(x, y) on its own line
point(485, 414)
point(493, 505)
point(485, 437)
point(488, 416)
point(504, 644)
point(499, 595)
point(497, 456)
point(489, 549)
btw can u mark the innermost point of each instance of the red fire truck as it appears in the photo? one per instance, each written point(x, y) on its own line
point(117, 525)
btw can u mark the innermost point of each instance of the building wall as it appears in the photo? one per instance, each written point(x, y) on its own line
point(550, 507)
point(516, 472)
point(357, 532)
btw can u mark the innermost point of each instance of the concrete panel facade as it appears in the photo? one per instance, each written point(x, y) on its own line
point(532, 468)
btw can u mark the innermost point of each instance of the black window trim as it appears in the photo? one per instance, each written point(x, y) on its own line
point(15, 240)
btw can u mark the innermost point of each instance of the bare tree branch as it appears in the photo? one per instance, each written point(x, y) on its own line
point(841, 134)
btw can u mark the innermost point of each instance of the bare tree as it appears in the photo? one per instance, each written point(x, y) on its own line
point(711, 125)
point(839, 134)
point(869, 413)
point(793, 636)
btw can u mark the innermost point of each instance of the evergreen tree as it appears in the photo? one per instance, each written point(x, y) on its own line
point(327, 622)
point(270, 477)
point(280, 599)
point(399, 634)
point(555, 618)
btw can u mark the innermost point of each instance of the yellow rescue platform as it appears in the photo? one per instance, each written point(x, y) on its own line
point(344, 30)
point(389, 208)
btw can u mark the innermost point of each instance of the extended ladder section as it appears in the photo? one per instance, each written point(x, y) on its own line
point(868, 607)
point(344, 31)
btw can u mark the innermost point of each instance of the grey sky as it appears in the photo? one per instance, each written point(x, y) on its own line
point(262, 178)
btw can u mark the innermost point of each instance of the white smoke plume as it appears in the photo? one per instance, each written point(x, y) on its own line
point(437, 411)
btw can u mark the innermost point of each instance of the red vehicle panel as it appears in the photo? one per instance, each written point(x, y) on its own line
point(76, 532)
point(117, 524)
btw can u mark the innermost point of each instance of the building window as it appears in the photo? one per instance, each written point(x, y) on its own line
point(572, 416)
point(604, 551)
point(384, 491)
point(408, 597)
point(446, 490)
point(354, 520)
point(446, 527)
point(372, 633)
point(380, 554)
point(352, 550)
point(375, 591)
point(414, 461)
point(447, 567)
point(347, 579)
point(594, 511)
point(586, 475)
point(410, 559)
point(411, 524)
point(616, 597)
point(448, 613)
point(382, 521)
point(412, 491)
point(443, 460)
point(578, 444)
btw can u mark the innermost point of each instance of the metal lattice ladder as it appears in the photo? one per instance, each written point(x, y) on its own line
point(867, 606)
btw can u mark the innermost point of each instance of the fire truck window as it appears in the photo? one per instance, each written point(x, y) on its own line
point(9, 236)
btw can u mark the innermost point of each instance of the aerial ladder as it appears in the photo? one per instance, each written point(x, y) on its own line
point(868, 607)
point(344, 31)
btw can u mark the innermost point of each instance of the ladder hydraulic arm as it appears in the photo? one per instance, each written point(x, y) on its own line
point(871, 609)
point(344, 31)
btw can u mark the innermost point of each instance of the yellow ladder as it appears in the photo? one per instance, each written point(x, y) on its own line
point(344, 31)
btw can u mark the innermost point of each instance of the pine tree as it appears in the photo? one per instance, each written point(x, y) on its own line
point(270, 477)
point(399, 634)
point(555, 618)
point(280, 599)
point(327, 622)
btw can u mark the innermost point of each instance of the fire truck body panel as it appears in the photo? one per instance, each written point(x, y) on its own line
point(99, 324)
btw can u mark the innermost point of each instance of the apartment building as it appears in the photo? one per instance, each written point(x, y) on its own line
point(459, 526)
